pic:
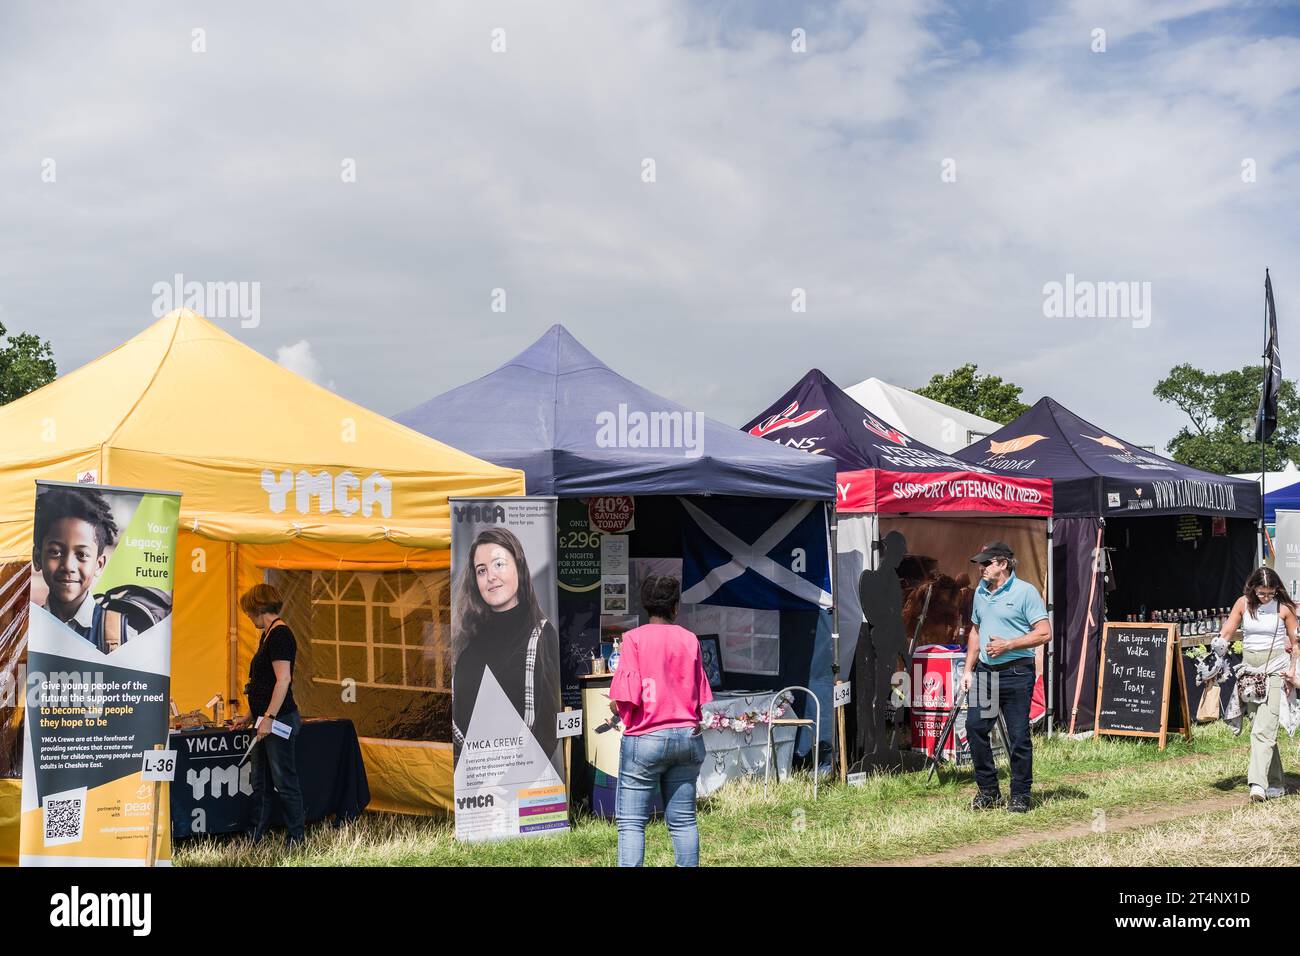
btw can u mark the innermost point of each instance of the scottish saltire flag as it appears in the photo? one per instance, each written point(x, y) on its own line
point(756, 553)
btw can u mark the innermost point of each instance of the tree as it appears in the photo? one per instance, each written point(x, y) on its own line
point(26, 363)
point(984, 395)
point(1222, 408)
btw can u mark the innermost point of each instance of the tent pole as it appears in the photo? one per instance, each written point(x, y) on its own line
point(1097, 559)
point(1049, 668)
point(1263, 401)
point(832, 520)
point(232, 621)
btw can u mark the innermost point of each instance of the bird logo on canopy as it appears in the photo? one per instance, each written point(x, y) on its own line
point(1107, 441)
point(790, 418)
point(1014, 444)
point(885, 432)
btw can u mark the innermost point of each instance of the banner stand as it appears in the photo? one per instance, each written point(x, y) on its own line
point(153, 825)
point(99, 673)
point(511, 763)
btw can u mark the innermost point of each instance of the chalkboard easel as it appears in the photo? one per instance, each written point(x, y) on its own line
point(1141, 689)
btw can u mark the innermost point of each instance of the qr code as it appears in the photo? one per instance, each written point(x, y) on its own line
point(65, 815)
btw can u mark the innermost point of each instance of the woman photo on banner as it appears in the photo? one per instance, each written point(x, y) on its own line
point(501, 629)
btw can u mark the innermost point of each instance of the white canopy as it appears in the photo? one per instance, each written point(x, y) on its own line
point(938, 425)
point(1273, 480)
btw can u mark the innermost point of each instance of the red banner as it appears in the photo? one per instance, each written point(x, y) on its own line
point(856, 490)
point(895, 492)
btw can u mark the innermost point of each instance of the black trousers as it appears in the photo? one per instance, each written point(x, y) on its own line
point(275, 773)
point(1007, 691)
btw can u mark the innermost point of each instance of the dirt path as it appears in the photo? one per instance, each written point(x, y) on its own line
point(1116, 822)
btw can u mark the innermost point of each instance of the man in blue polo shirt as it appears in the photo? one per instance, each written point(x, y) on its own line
point(1008, 620)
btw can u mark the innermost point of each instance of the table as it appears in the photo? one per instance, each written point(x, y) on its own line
point(213, 794)
point(729, 754)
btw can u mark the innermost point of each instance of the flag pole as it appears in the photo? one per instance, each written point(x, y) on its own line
point(1263, 442)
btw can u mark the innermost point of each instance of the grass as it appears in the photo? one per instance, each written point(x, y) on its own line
point(1260, 833)
point(892, 818)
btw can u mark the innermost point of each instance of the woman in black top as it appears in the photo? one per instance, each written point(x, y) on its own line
point(270, 698)
point(501, 630)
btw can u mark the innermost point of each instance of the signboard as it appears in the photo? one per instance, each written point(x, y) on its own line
point(158, 766)
point(1287, 544)
point(1189, 528)
point(505, 697)
point(614, 577)
point(98, 676)
point(1140, 683)
point(962, 491)
point(842, 694)
point(568, 724)
point(612, 514)
point(579, 549)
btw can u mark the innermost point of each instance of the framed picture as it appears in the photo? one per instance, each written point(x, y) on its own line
point(711, 651)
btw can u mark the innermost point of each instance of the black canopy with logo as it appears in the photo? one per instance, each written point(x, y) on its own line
point(1134, 532)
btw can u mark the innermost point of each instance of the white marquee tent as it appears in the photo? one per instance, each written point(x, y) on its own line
point(938, 425)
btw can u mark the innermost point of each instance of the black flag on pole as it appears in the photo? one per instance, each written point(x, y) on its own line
point(1266, 420)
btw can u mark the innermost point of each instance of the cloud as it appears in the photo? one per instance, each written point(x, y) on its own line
point(774, 170)
point(298, 358)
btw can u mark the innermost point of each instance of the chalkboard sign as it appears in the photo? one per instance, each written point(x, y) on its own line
point(1141, 689)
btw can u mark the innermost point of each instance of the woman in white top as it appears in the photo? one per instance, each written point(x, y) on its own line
point(1267, 618)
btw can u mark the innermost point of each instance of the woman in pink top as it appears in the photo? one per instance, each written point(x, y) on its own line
point(658, 690)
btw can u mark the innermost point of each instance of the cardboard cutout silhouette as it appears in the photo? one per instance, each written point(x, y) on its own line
point(881, 642)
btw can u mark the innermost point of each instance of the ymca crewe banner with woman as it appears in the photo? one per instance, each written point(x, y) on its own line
point(509, 764)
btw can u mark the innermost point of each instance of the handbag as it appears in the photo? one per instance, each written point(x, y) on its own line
point(1252, 686)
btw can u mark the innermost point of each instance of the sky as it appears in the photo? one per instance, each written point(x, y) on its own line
point(713, 196)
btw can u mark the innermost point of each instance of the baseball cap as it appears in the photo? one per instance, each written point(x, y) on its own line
point(994, 549)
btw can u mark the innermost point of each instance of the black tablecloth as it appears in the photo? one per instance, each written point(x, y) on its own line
point(209, 778)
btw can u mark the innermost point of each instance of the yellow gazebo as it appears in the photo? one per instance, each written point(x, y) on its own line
point(281, 480)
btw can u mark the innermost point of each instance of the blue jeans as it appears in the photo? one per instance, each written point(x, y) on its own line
point(667, 761)
point(1007, 691)
point(275, 757)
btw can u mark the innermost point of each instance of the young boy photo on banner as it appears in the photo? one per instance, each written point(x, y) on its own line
point(98, 675)
point(509, 764)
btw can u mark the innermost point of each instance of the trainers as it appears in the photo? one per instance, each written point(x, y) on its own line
point(1272, 793)
point(1018, 805)
point(986, 801)
point(1257, 794)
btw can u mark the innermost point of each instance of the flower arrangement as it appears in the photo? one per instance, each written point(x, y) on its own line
point(745, 722)
point(1196, 652)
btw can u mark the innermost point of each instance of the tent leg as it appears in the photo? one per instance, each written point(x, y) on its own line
point(232, 621)
point(1098, 567)
point(1049, 668)
point(837, 729)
